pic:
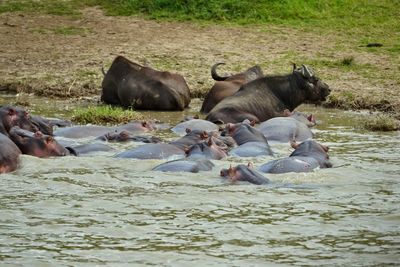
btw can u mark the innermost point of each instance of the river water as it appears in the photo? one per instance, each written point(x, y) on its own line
point(98, 210)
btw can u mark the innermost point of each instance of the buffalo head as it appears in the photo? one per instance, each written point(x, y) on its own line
point(315, 90)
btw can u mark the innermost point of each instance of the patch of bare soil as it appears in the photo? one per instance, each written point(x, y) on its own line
point(62, 57)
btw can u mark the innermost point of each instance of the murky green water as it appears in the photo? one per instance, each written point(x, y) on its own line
point(100, 210)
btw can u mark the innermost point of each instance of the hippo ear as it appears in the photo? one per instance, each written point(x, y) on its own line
point(325, 148)
point(294, 144)
point(204, 135)
point(252, 123)
point(49, 139)
point(250, 165)
point(231, 171)
point(196, 116)
point(38, 134)
point(287, 113)
point(186, 149)
point(311, 118)
point(188, 130)
point(11, 111)
point(210, 141)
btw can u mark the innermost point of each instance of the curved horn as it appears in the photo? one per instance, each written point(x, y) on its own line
point(214, 74)
point(306, 71)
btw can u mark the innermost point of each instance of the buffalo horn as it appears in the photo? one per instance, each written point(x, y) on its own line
point(214, 74)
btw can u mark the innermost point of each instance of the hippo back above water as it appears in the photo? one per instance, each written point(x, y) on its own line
point(129, 84)
point(268, 97)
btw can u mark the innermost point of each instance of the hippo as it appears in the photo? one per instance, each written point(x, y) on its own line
point(268, 97)
point(46, 126)
point(244, 173)
point(285, 129)
point(191, 138)
point(251, 142)
point(306, 157)
point(124, 136)
point(129, 84)
point(84, 131)
point(90, 148)
point(308, 120)
point(153, 151)
point(195, 124)
point(9, 154)
point(185, 165)
point(37, 144)
point(15, 116)
point(207, 149)
point(227, 85)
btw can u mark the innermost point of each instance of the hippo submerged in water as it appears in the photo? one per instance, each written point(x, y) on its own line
point(244, 173)
point(306, 157)
point(9, 154)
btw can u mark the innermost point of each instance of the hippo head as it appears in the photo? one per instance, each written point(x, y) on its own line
point(37, 144)
point(314, 90)
point(244, 173)
point(308, 120)
point(244, 132)
point(116, 136)
point(207, 149)
point(311, 148)
point(15, 116)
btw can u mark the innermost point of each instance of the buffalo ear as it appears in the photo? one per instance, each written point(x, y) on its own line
point(294, 66)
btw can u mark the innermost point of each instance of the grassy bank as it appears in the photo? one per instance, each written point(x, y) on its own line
point(373, 17)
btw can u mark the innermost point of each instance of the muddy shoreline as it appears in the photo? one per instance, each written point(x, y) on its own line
point(62, 57)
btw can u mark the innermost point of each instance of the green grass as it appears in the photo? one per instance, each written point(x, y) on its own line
point(366, 20)
point(105, 115)
point(380, 122)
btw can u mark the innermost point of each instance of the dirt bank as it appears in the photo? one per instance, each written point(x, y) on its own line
point(62, 56)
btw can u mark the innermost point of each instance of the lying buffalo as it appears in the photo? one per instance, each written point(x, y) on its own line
point(131, 85)
point(227, 85)
point(268, 97)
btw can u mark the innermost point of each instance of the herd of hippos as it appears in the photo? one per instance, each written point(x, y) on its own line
point(243, 112)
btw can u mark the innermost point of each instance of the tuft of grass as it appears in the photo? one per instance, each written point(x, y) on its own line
point(347, 61)
point(69, 30)
point(381, 122)
point(105, 115)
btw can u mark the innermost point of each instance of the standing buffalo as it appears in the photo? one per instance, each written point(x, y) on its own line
point(228, 85)
point(269, 96)
point(131, 85)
